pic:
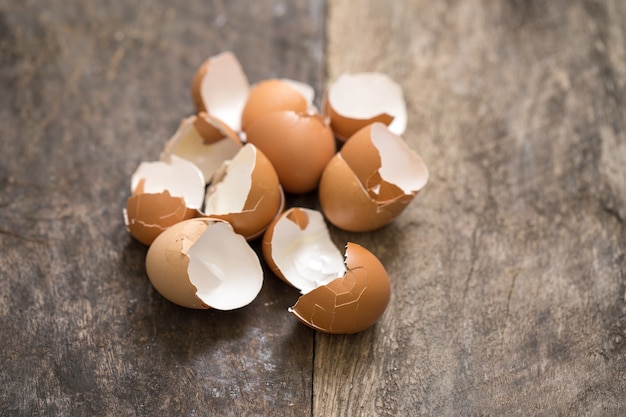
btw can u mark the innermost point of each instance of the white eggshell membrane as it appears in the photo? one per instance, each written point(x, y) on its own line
point(224, 89)
point(230, 193)
point(366, 95)
point(179, 176)
point(224, 268)
point(400, 165)
point(306, 257)
point(188, 144)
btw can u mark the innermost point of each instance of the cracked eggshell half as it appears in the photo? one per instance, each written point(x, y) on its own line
point(147, 215)
point(299, 145)
point(202, 263)
point(370, 180)
point(246, 193)
point(163, 194)
point(356, 100)
point(275, 95)
point(339, 295)
point(204, 140)
point(220, 87)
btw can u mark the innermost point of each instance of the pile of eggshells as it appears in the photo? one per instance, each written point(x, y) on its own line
point(220, 182)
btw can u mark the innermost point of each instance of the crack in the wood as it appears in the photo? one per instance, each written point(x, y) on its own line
point(508, 304)
point(473, 258)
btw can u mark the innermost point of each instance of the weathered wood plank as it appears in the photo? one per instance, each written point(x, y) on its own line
point(87, 91)
point(509, 276)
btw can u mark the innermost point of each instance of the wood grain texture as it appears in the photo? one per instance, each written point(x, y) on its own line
point(87, 91)
point(509, 276)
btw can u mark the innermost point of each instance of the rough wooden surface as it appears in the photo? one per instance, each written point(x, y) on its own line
point(87, 91)
point(509, 276)
point(509, 284)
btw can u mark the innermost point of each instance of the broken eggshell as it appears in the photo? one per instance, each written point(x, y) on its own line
point(274, 95)
point(354, 101)
point(202, 263)
point(299, 145)
point(245, 192)
point(147, 215)
point(179, 176)
point(220, 87)
point(163, 194)
point(338, 295)
point(370, 180)
point(204, 140)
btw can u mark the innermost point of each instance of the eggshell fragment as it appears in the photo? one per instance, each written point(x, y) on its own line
point(349, 304)
point(246, 193)
point(354, 101)
point(148, 215)
point(274, 95)
point(204, 140)
point(299, 145)
point(179, 176)
point(298, 249)
point(202, 263)
point(371, 180)
point(220, 87)
point(163, 194)
point(337, 297)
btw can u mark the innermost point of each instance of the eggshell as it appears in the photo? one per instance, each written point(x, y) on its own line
point(180, 177)
point(148, 215)
point(220, 87)
point(338, 295)
point(349, 304)
point(298, 249)
point(246, 193)
point(273, 95)
point(354, 101)
point(299, 145)
point(371, 180)
point(202, 263)
point(203, 140)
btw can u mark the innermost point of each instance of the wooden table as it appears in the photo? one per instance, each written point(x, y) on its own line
point(508, 272)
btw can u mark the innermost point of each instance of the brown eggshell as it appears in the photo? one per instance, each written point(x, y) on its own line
point(264, 199)
point(167, 262)
point(148, 215)
point(295, 215)
point(220, 87)
point(180, 177)
point(299, 145)
point(298, 249)
point(344, 127)
point(202, 263)
point(269, 96)
point(353, 192)
point(353, 101)
point(349, 304)
point(346, 204)
point(203, 140)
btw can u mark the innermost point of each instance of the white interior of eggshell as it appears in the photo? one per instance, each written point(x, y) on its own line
point(230, 192)
point(224, 89)
point(305, 90)
point(224, 269)
point(179, 176)
point(366, 95)
point(400, 165)
point(188, 144)
point(307, 258)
